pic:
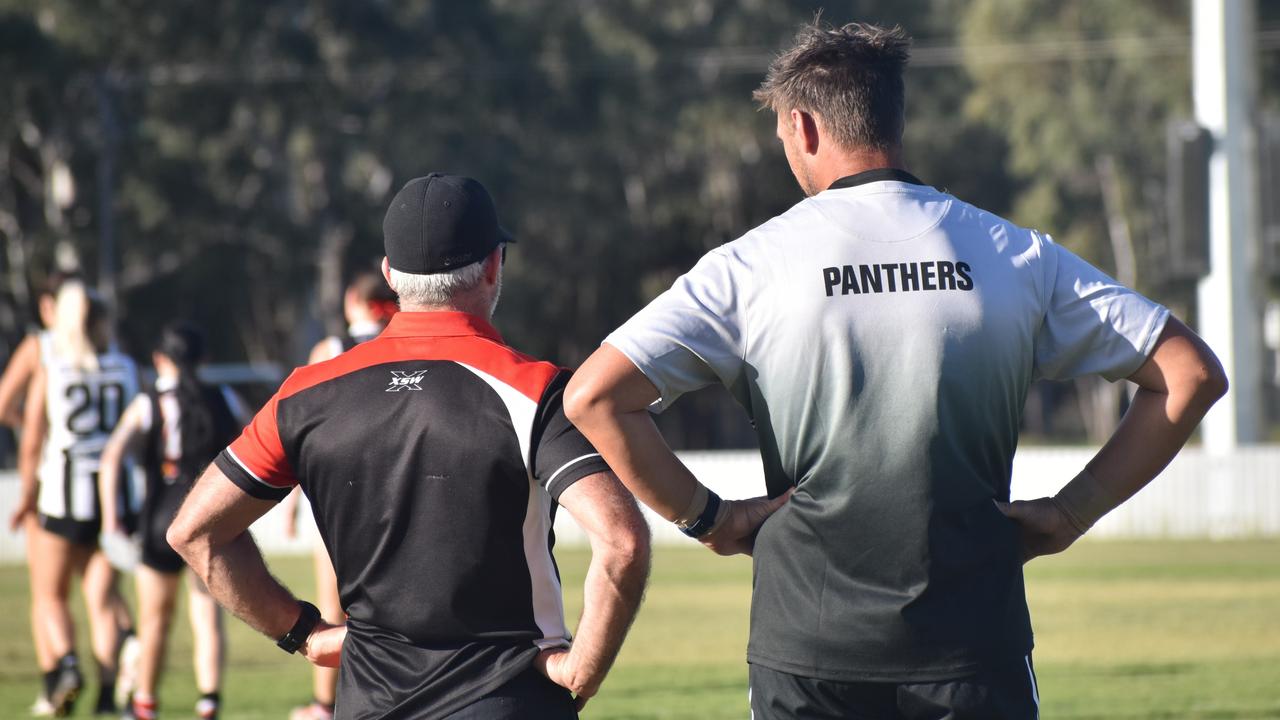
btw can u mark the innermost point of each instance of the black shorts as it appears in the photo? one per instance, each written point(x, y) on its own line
point(527, 696)
point(158, 513)
point(157, 553)
point(1007, 692)
point(79, 532)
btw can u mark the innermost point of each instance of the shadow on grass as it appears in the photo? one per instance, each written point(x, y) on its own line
point(699, 689)
point(1254, 713)
point(1130, 670)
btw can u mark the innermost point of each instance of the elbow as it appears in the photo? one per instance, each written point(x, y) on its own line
point(630, 549)
point(582, 400)
point(182, 537)
point(623, 552)
point(1215, 384)
point(635, 546)
point(1210, 382)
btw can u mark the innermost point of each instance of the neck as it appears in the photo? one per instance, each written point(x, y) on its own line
point(476, 309)
point(844, 163)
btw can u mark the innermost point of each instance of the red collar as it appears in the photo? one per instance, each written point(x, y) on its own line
point(439, 324)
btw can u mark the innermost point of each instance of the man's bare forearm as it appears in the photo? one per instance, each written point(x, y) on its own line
point(1149, 436)
point(239, 580)
point(211, 532)
point(643, 461)
point(1177, 385)
point(612, 594)
point(608, 401)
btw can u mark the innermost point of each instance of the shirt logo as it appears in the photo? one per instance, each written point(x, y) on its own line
point(402, 380)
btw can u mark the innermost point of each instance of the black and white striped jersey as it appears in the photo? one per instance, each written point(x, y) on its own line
point(82, 406)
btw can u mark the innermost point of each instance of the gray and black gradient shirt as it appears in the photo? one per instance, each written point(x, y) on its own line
point(882, 336)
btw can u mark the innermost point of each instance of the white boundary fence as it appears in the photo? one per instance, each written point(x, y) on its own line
point(1197, 496)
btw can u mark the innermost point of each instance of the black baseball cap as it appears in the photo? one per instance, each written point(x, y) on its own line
point(440, 222)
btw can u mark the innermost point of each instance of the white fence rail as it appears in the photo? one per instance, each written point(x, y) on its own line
point(1197, 496)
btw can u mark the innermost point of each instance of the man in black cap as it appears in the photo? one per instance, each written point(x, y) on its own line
point(434, 458)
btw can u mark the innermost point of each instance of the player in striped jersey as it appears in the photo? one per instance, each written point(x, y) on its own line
point(74, 399)
point(21, 367)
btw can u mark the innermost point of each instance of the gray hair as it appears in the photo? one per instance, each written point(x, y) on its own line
point(850, 77)
point(436, 289)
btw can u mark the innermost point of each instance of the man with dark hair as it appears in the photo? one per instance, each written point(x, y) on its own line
point(434, 457)
point(882, 336)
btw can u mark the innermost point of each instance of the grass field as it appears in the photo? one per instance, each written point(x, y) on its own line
point(1124, 631)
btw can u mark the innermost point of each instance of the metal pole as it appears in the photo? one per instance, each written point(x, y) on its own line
point(1224, 55)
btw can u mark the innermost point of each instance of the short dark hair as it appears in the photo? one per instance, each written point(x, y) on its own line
point(849, 76)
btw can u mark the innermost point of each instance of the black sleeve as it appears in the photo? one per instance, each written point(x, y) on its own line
point(560, 454)
point(236, 473)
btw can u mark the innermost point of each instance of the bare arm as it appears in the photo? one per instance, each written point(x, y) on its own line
point(614, 586)
point(123, 439)
point(1177, 385)
point(608, 400)
point(211, 534)
point(17, 375)
point(35, 428)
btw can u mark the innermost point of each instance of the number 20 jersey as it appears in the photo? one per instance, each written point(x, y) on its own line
point(83, 407)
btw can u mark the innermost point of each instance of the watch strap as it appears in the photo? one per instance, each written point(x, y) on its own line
point(308, 618)
point(706, 520)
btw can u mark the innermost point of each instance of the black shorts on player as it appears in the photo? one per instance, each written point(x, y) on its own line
point(77, 532)
point(1006, 692)
point(157, 514)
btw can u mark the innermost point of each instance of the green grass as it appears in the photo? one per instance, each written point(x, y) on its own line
point(1124, 631)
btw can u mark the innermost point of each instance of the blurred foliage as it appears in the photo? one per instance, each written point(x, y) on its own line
point(1063, 118)
point(257, 144)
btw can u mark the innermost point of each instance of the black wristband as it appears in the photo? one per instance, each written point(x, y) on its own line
point(706, 520)
point(308, 618)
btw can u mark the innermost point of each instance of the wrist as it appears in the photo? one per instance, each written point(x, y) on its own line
point(298, 635)
point(1083, 501)
point(696, 505)
point(708, 517)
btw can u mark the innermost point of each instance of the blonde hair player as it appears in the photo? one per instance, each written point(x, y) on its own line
point(75, 396)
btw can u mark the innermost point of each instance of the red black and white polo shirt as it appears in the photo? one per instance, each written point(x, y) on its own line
point(432, 456)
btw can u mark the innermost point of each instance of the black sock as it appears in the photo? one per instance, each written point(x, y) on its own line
point(208, 705)
point(50, 678)
point(106, 697)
